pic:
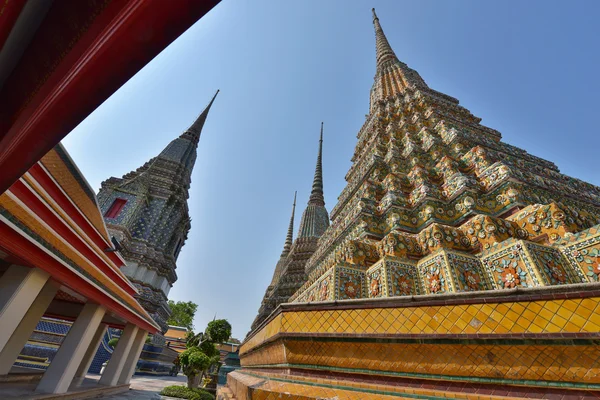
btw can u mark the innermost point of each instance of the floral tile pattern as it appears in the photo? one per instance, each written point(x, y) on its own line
point(402, 278)
point(349, 283)
point(467, 272)
point(583, 253)
point(434, 274)
point(510, 267)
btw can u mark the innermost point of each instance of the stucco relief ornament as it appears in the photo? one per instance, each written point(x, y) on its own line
point(374, 290)
point(324, 291)
point(468, 202)
point(512, 193)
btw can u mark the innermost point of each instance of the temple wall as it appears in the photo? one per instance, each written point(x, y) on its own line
point(536, 337)
point(503, 265)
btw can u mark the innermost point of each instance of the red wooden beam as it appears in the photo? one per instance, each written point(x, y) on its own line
point(9, 12)
point(124, 37)
point(53, 189)
point(12, 242)
point(23, 193)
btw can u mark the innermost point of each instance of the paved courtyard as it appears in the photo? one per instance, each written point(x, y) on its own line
point(148, 387)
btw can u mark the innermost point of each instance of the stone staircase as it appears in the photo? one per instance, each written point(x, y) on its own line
point(245, 385)
point(224, 393)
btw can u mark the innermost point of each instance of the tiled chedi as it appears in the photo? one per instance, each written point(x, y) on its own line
point(450, 256)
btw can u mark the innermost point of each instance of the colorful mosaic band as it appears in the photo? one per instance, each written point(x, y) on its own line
point(535, 337)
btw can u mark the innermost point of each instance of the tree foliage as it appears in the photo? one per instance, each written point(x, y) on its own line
point(219, 330)
point(183, 313)
point(194, 361)
point(201, 352)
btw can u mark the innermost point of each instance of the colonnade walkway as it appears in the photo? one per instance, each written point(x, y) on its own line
point(141, 387)
point(26, 294)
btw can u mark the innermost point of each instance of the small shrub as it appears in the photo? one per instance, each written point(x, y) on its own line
point(183, 392)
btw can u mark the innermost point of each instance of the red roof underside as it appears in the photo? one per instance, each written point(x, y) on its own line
point(82, 53)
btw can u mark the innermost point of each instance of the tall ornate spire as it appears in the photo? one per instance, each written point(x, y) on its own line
point(290, 234)
point(182, 150)
point(392, 76)
point(289, 239)
point(193, 132)
point(316, 195)
point(155, 222)
point(383, 48)
point(315, 218)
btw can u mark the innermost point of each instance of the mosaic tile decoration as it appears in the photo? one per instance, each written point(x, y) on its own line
point(402, 278)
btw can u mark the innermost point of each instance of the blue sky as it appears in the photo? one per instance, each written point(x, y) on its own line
point(528, 68)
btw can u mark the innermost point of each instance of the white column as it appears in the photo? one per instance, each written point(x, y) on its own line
point(60, 373)
point(91, 352)
point(23, 332)
point(112, 372)
point(133, 357)
point(19, 287)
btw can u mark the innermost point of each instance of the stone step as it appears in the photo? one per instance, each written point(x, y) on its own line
point(224, 393)
point(260, 386)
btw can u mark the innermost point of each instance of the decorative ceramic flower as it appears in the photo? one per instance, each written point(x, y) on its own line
point(351, 289)
point(557, 273)
point(596, 265)
point(435, 284)
point(471, 280)
point(510, 277)
point(404, 286)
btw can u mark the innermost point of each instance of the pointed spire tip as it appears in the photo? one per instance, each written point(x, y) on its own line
point(321, 139)
point(316, 195)
point(289, 239)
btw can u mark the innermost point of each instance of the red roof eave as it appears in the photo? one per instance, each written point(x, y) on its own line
point(45, 180)
point(32, 253)
point(120, 40)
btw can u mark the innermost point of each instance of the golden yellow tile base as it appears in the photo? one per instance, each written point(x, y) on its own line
point(535, 338)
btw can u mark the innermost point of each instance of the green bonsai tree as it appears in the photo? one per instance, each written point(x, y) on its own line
point(194, 363)
point(201, 352)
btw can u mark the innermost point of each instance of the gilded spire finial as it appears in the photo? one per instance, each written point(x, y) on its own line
point(290, 234)
point(316, 195)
